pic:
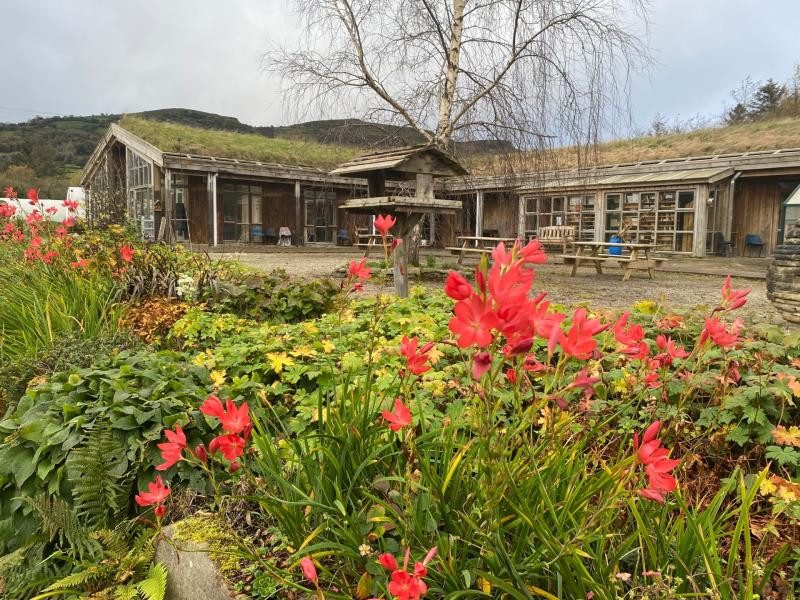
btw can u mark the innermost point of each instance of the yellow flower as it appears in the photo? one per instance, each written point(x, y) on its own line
point(310, 328)
point(767, 487)
point(786, 494)
point(303, 351)
point(279, 360)
point(328, 346)
point(218, 378)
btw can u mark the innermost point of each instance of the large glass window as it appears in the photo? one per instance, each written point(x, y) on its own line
point(180, 192)
point(665, 218)
point(241, 212)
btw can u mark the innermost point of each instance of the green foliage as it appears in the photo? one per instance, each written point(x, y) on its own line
point(120, 403)
point(40, 303)
point(71, 350)
point(274, 297)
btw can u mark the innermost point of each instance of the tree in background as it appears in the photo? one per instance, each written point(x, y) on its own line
point(767, 98)
point(530, 71)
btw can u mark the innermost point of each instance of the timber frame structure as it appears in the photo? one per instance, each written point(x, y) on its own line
point(684, 205)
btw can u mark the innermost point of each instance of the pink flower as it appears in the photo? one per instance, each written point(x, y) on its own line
point(720, 334)
point(231, 446)
point(156, 494)
point(359, 270)
point(481, 363)
point(473, 323)
point(171, 450)
point(457, 287)
point(33, 196)
point(579, 341)
point(309, 570)
point(232, 419)
point(384, 224)
point(732, 299)
point(657, 464)
point(401, 417)
point(415, 360)
point(126, 253)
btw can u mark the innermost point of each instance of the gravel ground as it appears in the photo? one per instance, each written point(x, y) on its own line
point(679, 290)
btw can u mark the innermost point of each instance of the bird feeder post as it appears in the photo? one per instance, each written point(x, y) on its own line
point(382, 171)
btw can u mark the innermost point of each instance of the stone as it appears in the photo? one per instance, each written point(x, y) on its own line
point(192, 573)
point(783, 276)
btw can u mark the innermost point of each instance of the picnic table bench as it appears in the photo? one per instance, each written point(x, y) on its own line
point(639, 257)
point(556, 235)
point(476, 245)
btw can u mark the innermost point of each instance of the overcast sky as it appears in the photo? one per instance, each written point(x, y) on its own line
point(110, 56)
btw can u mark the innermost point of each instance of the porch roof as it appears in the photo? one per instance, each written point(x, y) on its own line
point(685, 176)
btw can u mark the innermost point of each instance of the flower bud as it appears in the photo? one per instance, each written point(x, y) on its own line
point(200, 452)
point(160, 510)
point(234, 466)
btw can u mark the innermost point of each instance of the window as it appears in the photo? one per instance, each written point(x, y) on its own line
point(665, 218)
point(180, 193)
point(241, 212)
point(577, 211)
point(140, 194)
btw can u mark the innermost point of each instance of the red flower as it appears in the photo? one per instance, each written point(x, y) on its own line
point(34, 217)
point(582, 380)
point(231, 446)
point(669, 351)
point(384, 224)
point(511, 375)
point(71, 205)
point(732, 299)
point(457, 287)
point(309, 570)
point(68, 222)
point(415, 359)
point(171, 450)
point(657, 464)
point(126, 253)
point(579, 341)
point(401, 417)
point(473, 323)
point(10, 193)
point(7, 210)
point(388, 561)
point(79, 264)
point(481, 362)
point(33, 196)
point(719, 334)
point(156, 494)
point(200, 452)
point(51, 210)
point(359, 270)
point(405, 586)
point(49, 256)
point(232, 419)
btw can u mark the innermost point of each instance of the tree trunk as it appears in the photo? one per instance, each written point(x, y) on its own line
point(444, 129)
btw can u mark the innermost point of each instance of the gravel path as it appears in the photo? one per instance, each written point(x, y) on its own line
point(678, 290)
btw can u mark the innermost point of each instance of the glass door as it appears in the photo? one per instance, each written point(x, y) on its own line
point(320, 216)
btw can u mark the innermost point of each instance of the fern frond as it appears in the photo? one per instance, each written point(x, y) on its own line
point(115, 544)
point(74, 580)
point(61, 524)
point(95, 470)
point(155, 586)
point(126, 592)
point(12, 560)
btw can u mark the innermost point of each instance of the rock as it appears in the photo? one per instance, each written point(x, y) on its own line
point(783, 277)
point(193, 575)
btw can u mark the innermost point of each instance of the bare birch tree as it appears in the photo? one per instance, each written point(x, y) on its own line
point(532, 72)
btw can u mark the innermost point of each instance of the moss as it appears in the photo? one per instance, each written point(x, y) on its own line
point(211, 532)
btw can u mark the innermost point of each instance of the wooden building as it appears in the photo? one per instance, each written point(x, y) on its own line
point(685, 205)
point(214, 200)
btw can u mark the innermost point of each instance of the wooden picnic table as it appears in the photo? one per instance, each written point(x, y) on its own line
point(372, 240)
point(479, 245)
point(638, 257)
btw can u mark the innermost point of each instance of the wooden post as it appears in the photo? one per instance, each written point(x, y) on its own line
point(168, 208)
point(298, 226)
point(400, 267)
point(521, 219)
point(211, 207)
point(432, 221)
point(479, 214)
point(600, 217)
point(700, 218)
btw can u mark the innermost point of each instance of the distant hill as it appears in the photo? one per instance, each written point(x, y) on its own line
point(48, 153)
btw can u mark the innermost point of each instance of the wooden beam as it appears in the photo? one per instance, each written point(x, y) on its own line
point(298, 226)
point(700, 218)
point(479, 213)
point(167, 200)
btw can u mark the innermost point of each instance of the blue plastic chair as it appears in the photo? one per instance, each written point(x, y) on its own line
point(343, 237)
point(754, 240)
point(256, 232)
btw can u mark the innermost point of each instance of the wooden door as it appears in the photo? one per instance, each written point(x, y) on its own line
point(197, 212)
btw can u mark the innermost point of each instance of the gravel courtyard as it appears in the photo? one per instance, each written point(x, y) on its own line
point(677, 289)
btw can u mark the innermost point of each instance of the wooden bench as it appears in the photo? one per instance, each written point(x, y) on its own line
point(556, 235)
point(476, 245)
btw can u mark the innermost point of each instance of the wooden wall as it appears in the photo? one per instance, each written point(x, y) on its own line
point(756, 209)
point(500, 212)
